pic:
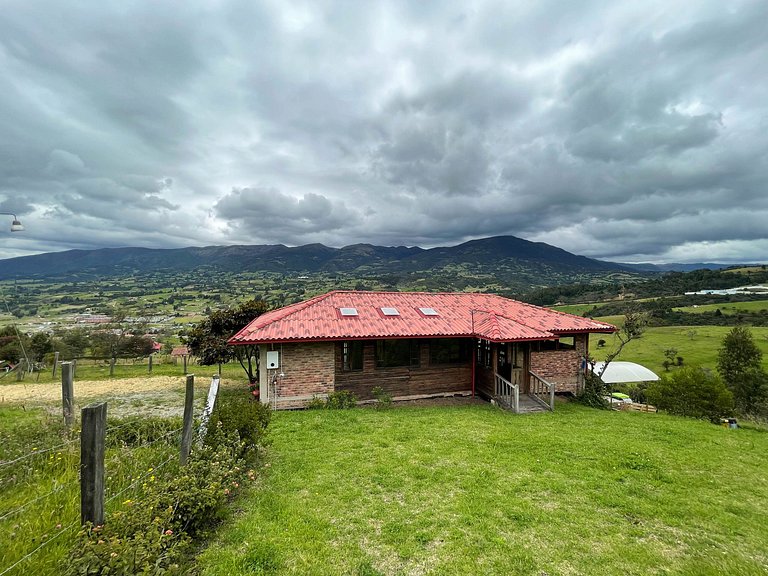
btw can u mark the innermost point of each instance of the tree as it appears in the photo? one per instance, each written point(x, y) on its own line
point(12, 344)
point(595, 390)
point(208, 339)
point(71, 343)
point(691, 392)
point(40, 344)
point(739, 363)
point(632, 328)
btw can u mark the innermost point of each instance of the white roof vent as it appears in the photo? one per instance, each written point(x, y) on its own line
point(348, 311)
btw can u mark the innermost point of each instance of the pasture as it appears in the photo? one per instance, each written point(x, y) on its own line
point(697, 345)
point(472, 489)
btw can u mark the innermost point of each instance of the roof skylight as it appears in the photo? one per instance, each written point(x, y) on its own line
point(348, 311)
point(390, 311)
point(429, 311)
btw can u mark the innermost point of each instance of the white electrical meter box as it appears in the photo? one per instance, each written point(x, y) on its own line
point(273, 360)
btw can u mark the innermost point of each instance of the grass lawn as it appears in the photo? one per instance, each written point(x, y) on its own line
point(476, 490)
point(727, 308)
point(697, 345)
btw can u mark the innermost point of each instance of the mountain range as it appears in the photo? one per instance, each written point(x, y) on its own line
point(508, 260)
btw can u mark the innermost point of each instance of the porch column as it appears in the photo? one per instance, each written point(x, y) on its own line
point(263, 376)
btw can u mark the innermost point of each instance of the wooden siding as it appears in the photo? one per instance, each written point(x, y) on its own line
point(402, 381)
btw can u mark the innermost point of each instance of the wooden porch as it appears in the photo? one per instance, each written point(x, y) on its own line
point(540, 396)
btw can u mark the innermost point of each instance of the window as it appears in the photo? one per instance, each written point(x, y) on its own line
point(564, 343)
point(448, 351)
point(484, 357)
point(501, 357)
point(352, 355)
point(348, 311)
point(392, 353)
point(390, 312)
point(428, 312)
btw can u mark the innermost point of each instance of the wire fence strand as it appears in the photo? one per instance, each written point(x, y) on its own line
point(139, 479)
point(37, 453)
point(40, 547)
point(29, 502)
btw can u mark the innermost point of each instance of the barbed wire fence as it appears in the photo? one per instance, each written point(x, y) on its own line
point(51, 491)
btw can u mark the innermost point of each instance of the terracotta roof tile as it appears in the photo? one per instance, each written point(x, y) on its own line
point(458, 315)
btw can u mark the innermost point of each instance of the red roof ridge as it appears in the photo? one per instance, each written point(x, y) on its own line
point(286, 311)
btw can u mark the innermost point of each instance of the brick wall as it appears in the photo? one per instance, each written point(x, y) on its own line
point(308, 371)
point(561, 367)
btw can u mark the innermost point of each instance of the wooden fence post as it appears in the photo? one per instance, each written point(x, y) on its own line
point(186, 434)
point(185, 364)
point(20, 370)
point(55, 363)
point(74, 367)
point(112, 366)
point(67, 394)
point(150, 364)
point(94, 418)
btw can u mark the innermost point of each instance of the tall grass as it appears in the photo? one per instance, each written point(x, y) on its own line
point(39, 463)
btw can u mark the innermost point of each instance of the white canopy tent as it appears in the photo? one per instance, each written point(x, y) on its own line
point(620, 372)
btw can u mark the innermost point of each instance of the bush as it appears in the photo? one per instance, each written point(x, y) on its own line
point(594, 392)
point(238, 411)
point(692, 392)
point(340, 400)
point(152, 534)
point(383, 398)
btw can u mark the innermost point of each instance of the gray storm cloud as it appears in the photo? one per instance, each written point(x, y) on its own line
point(629, 131)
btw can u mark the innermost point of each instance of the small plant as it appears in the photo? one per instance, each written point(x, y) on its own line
point(341, 400)
point(383, 398)
point(316, 403)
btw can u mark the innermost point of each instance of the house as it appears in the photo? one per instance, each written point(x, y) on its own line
point(417, 345)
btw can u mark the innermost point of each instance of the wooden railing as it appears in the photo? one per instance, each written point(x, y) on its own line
point(542, 391)
point(507, 393)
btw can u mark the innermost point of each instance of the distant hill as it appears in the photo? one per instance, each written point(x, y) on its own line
point(676, 267)
point(505, 260)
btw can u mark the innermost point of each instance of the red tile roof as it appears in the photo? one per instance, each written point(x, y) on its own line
point(474, 315)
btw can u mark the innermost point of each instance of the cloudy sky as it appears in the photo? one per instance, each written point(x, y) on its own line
point(629, 131)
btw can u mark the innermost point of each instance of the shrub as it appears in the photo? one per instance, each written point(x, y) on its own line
point(152, 534)
point(238, 411)
point(692, 392)
point(383, 398)
point(316, 403)
point(594, 392)
point(341, 400)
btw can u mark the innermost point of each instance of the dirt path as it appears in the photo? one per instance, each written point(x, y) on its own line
point(155, 395)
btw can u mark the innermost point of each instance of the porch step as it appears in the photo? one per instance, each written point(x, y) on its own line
point(526, 405)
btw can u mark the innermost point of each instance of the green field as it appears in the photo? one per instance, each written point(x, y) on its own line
point(697, 345)
point(727, 308)
point(476, 490)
